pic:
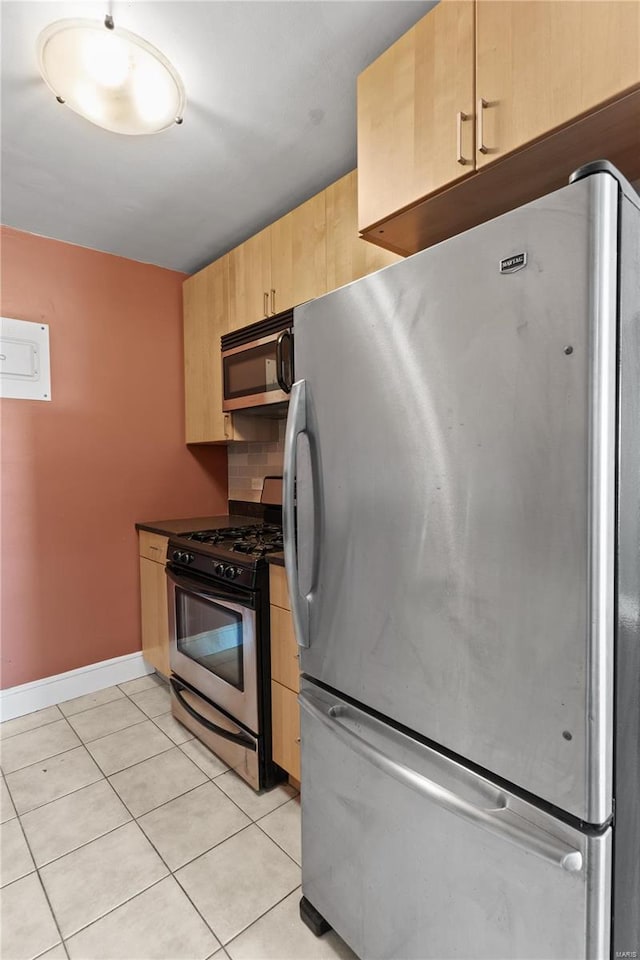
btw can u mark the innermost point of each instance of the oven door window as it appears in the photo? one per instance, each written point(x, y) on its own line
point(210, 634)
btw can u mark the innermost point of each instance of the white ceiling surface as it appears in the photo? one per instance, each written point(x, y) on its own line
point(270, 120)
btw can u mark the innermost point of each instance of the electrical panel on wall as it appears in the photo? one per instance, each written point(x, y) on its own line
point(25, 372)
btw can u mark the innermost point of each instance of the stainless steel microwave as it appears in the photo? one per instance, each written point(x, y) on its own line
point(257, 364)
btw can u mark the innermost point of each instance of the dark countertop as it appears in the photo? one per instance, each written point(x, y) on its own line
point(277, 558)
point(169, 528)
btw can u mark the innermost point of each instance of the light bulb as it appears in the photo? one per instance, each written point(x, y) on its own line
point(105, 58)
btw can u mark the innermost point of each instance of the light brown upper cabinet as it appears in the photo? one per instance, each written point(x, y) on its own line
point(554, 84)
point(250, 280)
point(543, 63)
point(415, 113)
point(349, 257)
point(298, 255)
point(280, 267)
point(205, 298)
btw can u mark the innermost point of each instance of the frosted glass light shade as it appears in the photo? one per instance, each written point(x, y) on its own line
point(111, 77)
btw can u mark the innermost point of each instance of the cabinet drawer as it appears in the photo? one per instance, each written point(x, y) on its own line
point(278, 589)
point(285, 719)
point(153, 546)
point(285, 663)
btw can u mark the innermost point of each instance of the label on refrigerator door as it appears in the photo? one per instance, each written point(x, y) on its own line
point(511, 264)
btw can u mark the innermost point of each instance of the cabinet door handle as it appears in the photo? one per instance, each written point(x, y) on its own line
point(266, 304)
point(273, 301)
point(482, 105)
point(461, 117)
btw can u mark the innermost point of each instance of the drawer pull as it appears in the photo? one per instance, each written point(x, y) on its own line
point(461, 117)
point(482, 105)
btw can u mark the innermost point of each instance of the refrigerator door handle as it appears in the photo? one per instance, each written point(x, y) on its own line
point(296, 425)
point(498, 819)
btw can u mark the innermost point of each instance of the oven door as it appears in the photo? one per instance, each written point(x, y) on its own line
point(212, 643)
point(258, 373)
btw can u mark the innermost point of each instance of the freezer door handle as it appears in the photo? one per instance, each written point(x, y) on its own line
point(491, 813)
point(296, 425)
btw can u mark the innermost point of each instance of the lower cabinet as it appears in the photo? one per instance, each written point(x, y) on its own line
point(285, 721)
point(153, 601)
point(285, 678)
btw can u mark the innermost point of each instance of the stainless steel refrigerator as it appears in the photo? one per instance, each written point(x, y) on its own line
point(462, 529)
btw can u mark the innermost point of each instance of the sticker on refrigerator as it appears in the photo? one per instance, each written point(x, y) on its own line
point(511, 264)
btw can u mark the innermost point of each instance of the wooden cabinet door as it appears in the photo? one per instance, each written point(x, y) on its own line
point(309, 249)
point(250, 280)
point(206, 318)
point(155, 615)
point(278, 588)
point(285, 727)
point(281, 292)
point(285, 660)
point(349, 257)
point(298, 255)
point(408, 105)
point(542, 63)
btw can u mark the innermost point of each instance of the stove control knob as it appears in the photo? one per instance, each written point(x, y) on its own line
point(189, 557)
point(219, 569)
point(231, 573)
point(176, 554)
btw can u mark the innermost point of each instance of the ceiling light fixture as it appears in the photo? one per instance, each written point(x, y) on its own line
point(111, 77)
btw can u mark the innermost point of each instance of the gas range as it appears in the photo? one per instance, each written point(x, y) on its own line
point(233, 553)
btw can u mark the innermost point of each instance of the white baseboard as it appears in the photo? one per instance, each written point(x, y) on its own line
point(16, 701)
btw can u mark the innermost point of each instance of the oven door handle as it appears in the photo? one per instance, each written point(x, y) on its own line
point(218, 593)
point(242, 739)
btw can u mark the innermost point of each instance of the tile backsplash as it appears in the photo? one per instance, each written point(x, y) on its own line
point(250, 463)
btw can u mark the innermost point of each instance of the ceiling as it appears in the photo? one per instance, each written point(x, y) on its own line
point(270, 120)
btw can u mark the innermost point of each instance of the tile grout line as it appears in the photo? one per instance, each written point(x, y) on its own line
point(130, 766)
point(44, 889)
point(40, 805)
point(132, 820)
point(298, 886)
point(83, 743)
point(135, 820)
point(41, 726)
point(64, 716)
point(257, 823)
point(6, 786)
point(113, 909)
point(51, 756)
point(171, 872)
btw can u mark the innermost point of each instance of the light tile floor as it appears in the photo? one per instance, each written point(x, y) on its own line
point(123, 837)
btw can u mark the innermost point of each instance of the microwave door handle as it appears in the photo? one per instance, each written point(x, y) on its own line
point(240, 738)
point(281, 375)
point(296, 424)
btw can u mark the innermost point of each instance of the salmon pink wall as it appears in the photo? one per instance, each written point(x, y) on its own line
point(108, 450)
